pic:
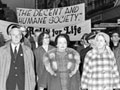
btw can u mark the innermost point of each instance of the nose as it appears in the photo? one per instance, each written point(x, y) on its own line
point(16, 36)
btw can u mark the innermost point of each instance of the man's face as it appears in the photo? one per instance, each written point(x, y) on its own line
point(15, 35)
point(115, 37)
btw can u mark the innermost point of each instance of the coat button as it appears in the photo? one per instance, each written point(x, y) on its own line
point(15, 68)
point(16, 75)
point(13, 61)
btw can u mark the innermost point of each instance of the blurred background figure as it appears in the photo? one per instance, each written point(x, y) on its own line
point(115, 38)
point(34, 39)
point(88, 44)
point(115, 46)
point(25, 36)
point(83, 43)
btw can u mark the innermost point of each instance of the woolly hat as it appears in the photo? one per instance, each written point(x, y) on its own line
point(106, 37)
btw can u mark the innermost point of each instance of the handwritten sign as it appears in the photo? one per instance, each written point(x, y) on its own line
point(75, 32)
point(51, 18)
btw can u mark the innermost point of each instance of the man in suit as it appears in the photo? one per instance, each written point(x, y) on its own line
point(16, 64)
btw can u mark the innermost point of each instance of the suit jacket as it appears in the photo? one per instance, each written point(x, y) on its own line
point(5, 61)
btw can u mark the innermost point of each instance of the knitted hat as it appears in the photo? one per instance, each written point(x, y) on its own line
point(106, 37)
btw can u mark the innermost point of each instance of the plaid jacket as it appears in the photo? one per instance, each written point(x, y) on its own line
point(100, 71)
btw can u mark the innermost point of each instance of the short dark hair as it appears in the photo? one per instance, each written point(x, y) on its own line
point(64, 36)
point(40, 38)
point(114, 33)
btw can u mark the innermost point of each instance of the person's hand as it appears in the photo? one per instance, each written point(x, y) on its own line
point(53, 73)
point(71, 74)
point(41, 88)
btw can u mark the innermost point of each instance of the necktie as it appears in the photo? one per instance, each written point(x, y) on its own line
point(15, 52)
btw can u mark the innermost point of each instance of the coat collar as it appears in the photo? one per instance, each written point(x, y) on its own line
point(7, 47)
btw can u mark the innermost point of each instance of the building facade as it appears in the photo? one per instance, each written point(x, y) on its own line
point(100, 11)
point(46, 4)
point(2, 6)
point(13, 4)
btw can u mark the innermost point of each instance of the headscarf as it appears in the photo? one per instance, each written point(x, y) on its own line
point(107, 40)
point(106, 37)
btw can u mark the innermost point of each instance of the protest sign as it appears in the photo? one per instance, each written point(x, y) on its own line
point(51, 18)
point(75, 32)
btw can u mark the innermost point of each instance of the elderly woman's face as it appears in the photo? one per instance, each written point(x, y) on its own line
point(61, 44)
point(100, 42)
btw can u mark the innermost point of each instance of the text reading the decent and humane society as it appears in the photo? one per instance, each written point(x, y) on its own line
point(49, 16)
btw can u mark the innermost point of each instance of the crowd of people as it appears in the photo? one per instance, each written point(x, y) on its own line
point(31, 62)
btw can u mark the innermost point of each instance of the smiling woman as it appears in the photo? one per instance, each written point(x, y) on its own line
point(100, 71)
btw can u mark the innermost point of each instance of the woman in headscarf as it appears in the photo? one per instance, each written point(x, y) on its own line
point(100, 70)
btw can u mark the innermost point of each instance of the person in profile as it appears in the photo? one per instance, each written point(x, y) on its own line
point(16, 63)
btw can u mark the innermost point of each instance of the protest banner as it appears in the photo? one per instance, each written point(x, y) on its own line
point(75, 32)
point(51, 18)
